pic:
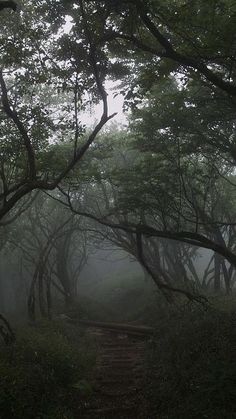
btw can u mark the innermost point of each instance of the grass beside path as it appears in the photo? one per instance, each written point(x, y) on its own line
point(47, 374)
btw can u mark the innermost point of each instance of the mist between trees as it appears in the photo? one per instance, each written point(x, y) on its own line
point(107, 221)
point(162, 188)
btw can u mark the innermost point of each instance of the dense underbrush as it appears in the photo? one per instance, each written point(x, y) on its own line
point(47, 372)
point(192, 365)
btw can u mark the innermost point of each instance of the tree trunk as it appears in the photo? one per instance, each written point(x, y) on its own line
point(217, 280)
point(49, 298)
point(31, 302)
point(63, 276)
point(41, 290)
point(6, 331)
point(31, 297)
point(227, 278)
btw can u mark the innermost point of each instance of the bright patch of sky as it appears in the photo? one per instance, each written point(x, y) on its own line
point(68, 24)
point(115, 104)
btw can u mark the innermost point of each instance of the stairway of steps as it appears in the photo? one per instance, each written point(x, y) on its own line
point(119, 376)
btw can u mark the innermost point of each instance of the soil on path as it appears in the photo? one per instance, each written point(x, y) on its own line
point(119, 376)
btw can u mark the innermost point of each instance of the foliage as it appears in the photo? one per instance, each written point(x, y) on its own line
point(48, 78)
point(150, 179)
point(192, 365)
point(41, 377)
point(193, 39)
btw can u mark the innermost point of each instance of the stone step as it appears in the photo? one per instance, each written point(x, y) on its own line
point(113, 375)
point(111, 381)
point(118, 380)
point(125, 357)
point(119, 393)
point(126, 344)
point(111, 410)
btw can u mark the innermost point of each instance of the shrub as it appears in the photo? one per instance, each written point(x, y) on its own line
point(194, 366)
point(40, 380)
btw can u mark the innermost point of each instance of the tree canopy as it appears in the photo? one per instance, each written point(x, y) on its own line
point(170, 173)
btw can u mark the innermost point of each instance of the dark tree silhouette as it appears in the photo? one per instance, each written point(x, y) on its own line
point(9, 4)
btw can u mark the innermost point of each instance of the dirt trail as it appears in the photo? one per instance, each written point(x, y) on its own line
point(119, 375)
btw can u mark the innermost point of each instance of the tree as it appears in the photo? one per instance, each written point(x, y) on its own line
point(39, 65)
point(8, 4)
point(192, 37)
point(35, 74)
point(177, 69)
point(52, 246)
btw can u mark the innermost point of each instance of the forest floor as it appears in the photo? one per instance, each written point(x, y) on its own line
point(119, 375)
point(76, 369)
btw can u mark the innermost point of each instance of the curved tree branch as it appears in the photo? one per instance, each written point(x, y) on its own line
point(165, 49)
point(160, 284)
point(12, 114)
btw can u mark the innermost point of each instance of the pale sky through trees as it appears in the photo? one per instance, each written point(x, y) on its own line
point(115, 104)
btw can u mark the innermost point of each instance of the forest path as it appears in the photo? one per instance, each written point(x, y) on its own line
point(119, 373)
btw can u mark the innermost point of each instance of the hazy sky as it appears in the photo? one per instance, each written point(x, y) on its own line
point(114, 104)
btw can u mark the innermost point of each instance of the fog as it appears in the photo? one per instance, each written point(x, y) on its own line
point(117, 209)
